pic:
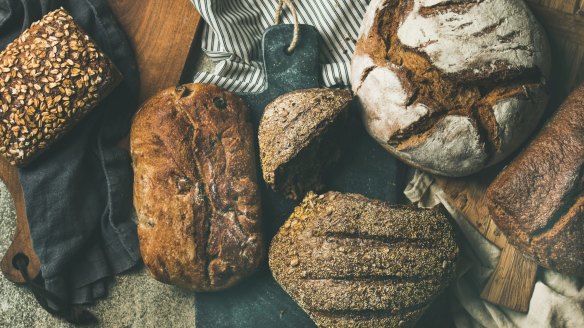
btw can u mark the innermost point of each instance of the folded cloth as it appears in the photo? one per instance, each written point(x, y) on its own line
point(557, 301)
point(78, 194)
point(232, 38)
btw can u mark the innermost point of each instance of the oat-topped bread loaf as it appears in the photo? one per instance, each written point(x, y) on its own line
point(538, 200)
point(350, 261)
point(298, 136)
point(195, 188)
point(50, 78)
point(450, 87)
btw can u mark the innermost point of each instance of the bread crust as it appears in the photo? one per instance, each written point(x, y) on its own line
point(195, 188)
point(450, 87)
point(51, 77)
point(299, 138)
point(538, 199)
point(350, 261)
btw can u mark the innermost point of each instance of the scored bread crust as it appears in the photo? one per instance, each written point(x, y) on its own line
point(450, 87)
point(195, 188)
point(350, 261)
point(538, 199)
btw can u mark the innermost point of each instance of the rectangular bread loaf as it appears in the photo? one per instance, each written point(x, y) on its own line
point(50, 78)
point(538, 200)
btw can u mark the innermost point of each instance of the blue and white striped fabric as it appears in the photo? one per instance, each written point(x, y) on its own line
point(233, 33)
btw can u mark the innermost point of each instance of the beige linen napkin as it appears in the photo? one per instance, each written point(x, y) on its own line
point(557, 301)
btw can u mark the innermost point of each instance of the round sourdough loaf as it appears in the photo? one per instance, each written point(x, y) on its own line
point(450, 86)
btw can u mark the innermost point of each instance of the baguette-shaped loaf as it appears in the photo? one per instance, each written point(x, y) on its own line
point(350, 261)
point(195, 189)
point(538, 200)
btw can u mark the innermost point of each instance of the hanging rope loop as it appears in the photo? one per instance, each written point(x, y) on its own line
point(296, 36)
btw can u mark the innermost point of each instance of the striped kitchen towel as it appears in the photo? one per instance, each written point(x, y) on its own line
point(233, 33)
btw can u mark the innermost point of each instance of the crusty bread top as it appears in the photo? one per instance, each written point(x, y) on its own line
point(349, 260)
point(195, 188)
point(465, 41)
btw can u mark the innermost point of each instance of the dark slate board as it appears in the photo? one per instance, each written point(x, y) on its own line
point(364, 168)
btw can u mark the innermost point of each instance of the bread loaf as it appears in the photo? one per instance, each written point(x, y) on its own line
point(538, 200)
point(50, 78)
point(450, 87)
point(195, 188)
point(350, 261)
point(299, 138)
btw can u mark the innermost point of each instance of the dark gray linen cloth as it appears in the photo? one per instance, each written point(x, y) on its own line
point(79, 193)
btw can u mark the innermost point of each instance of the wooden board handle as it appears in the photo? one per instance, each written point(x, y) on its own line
point(21, 242)
point(511, 284)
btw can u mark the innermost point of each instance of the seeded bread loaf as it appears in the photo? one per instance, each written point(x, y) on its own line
point(350, 261)
point(298, 136)
point(450, 87)
point(538, 200)
point(195, 188)
point(50, 78)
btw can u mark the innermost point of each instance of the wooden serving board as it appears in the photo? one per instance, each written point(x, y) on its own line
point(161, 34)
point(513, 280)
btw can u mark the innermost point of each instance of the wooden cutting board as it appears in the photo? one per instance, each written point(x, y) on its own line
point(511, 285)
point(162, 35)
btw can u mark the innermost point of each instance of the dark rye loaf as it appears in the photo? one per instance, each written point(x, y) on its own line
point(350, 261)
point(299, 137)
point(195, 189)
point(538, 200)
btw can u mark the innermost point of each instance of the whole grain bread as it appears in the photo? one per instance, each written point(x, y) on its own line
point(195, 188)
point(299, 138)
point(538, 200)
point(350, 261)
point(450, 87)
point(51, 76)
